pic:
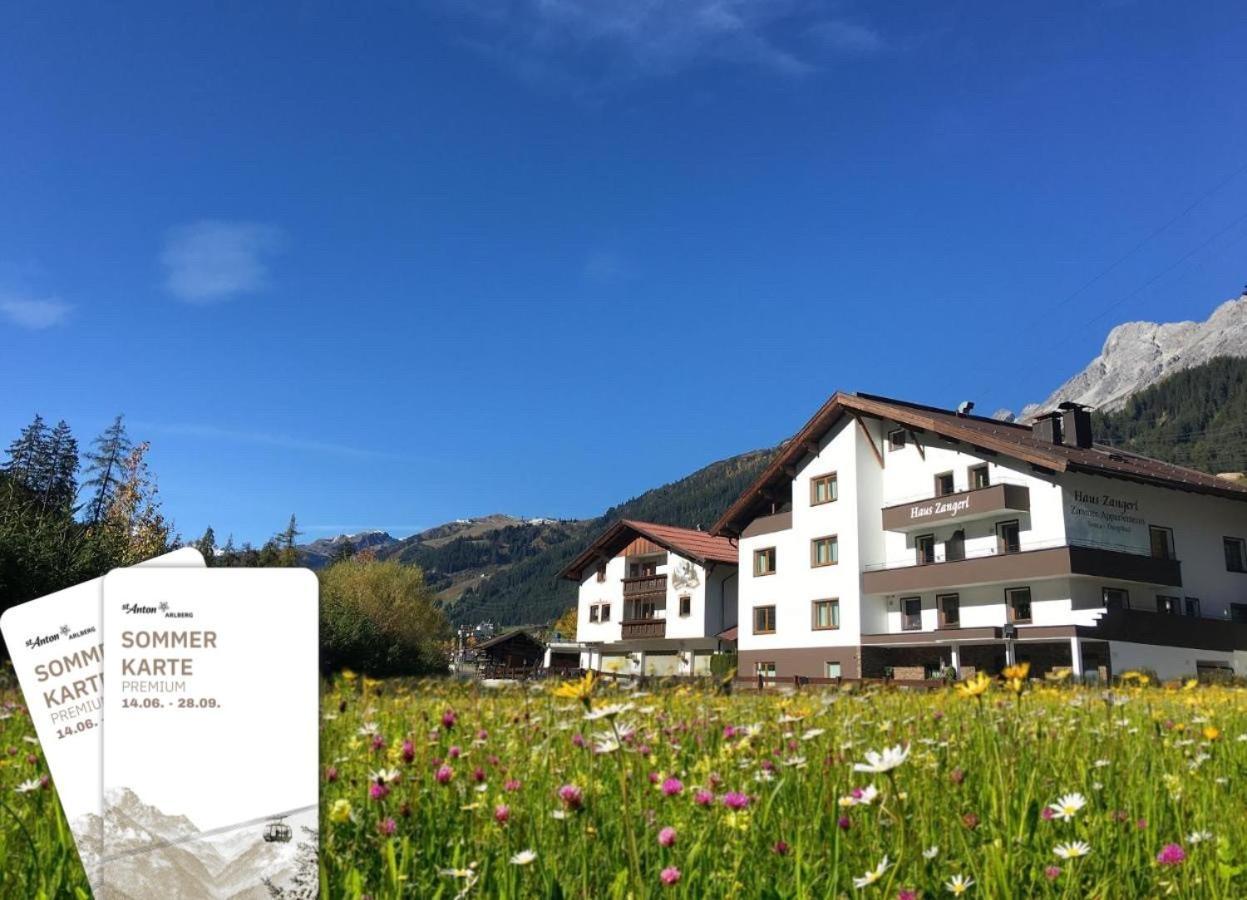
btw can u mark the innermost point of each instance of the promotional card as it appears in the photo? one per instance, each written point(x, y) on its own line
point(211, 754)
point(56, 645)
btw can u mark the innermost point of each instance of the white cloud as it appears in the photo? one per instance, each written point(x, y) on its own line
point(260, 438)
point(622, 39)
point(32, 313)
point(209, 261)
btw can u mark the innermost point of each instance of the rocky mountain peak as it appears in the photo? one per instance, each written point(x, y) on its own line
point(1137, 355)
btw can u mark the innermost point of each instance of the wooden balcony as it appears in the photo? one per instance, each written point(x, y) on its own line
point(643, 628)
point(963, 506)
point(645, 586)
point(1021, 567)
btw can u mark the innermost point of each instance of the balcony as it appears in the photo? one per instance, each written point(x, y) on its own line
point(645, 586)
point(963, 506)
point(1030, 564)
point(634, 629)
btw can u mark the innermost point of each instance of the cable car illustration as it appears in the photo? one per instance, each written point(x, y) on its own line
point(276, 831)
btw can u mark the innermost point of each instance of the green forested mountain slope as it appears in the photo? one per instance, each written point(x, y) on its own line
point(1195, 418)
point(529, 590)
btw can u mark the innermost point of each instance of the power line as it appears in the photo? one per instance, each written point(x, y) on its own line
point(1154, 234)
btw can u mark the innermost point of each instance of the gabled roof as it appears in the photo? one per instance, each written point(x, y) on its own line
point(506, 636)
point(1006, 438)
point(699, 546)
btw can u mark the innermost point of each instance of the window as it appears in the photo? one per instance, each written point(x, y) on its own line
point(944, 484)
point(1008, 537)
point(601, 573)
point(826, 615)
point(593, 613)
point(1162, 542)
point(979, 477)
point(1235, 554)
point(606, 612)
point(1018, 601)
point(686, 606)
point(647, 609)
point(911, 613)
point(896, 439)
point(1169, 605)
point(1192, 607)
point(1238, 613)
point(831, 670)
point(765, 669)
point(764, 561)
point(824, 489)
point(825, 551)
point(949, 606)
point(764, 620)
point(1115, 598)
point(955, 546)
point(924, 545)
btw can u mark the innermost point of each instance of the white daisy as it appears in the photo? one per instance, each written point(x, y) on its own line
point(1066, 807)
point(886, 761)
point(872, 876)
point(523, 858)
point(1072, 850)
point(27, 786)
point(958, 884)
point(1198, 837)
point(931, 852)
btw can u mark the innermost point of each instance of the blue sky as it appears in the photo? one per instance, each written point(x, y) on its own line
point(405, 262)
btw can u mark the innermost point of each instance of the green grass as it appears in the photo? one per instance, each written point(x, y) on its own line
point(977, 779)
point(1155, 766)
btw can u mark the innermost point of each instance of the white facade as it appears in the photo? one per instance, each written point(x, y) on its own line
point(671, 632)
point(1106, 520)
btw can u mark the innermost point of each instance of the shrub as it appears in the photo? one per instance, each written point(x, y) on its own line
point(380, 618)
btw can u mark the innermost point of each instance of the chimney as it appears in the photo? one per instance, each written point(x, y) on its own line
point(1048, 428)
point(1075, 424)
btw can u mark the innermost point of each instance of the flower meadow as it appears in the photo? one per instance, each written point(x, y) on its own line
point(994, 788)
point(1010, 788)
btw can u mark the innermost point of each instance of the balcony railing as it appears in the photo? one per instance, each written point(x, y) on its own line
point(1031, 562)
point(645, 584)
point(643, 628)
point(961, 506)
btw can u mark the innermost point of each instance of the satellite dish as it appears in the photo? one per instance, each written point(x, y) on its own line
point(963, 408)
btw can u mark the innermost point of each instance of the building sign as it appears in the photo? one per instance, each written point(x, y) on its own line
point(1104, 517)
point(956, 507)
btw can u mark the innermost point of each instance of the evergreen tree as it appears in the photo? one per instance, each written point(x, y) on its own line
point(344, 551)
point(106, 463)
point(61, 485)
point(288, 552)
point(28, 455)
point(206, 546)
point(229, 553)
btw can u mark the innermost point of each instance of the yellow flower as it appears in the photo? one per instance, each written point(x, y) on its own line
point(340, 811)
point(348, 675)
point(1211, 732)
point(1191, 684)
point(974, 687)
point(1017, 672)
point(581, 690)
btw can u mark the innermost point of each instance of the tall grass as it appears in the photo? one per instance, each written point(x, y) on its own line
point(436, 789)
point(1156, 767)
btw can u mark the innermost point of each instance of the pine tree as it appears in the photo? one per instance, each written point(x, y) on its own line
point(344, 551)
point(206, 546)
point(61, 486)
point(28, 455)
point(105, 467)
point(229, 553)
point(289, 554)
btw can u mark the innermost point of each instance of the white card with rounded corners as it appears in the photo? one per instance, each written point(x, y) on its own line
point(211, 755)
point(56, 644)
